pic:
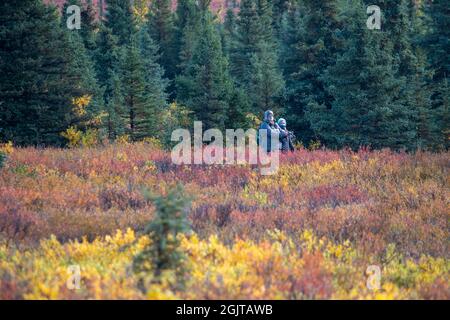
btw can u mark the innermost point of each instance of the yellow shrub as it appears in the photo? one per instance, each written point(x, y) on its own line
point(73, 135)
point(80, 104)
point(7, 148)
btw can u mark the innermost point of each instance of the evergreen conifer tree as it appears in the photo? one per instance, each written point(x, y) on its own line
point(162, 30)
point(43, 68)
point(366, 109)
point(310, 47)
point(205, 86)
point(107, 62)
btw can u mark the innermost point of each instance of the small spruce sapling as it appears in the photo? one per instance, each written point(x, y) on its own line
point(163, 255)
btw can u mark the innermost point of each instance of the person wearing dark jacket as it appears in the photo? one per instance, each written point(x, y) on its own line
point(285, 136)
point(271, 127)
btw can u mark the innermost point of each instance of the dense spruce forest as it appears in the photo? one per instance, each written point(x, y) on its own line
point(142, 69)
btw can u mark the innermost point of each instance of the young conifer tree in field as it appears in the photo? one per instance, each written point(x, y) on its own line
point(365, 109)
point(43, 68)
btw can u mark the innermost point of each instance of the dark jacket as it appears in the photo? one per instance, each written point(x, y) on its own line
point(286, 140)
point(270, 128)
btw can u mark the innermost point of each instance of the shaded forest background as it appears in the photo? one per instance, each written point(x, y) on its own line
point(143, 70)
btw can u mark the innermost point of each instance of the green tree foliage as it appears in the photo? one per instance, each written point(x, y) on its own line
point(139, 112)
point(366, 109)
point(42, 69)
point(280, 7)
point(254, 56)
point(266, 82)
point(90, 26)
point(3, 158)
point(161, 29)
point(156, 84)
point(205, 86)
point(437, 45)
point(229, 29)
point(310, 47)
point(82, 71)
point(108, 72)
point(89, 23)
point(163, 253)
point(248, 37)
point(120, 19)
point(187, 25)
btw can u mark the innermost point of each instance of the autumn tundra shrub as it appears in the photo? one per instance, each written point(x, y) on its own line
point(309, 231)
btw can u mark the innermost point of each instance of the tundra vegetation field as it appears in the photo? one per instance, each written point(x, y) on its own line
point(308, 232)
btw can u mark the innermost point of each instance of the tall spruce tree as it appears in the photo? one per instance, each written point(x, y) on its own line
point(155, 82)
point(266, 85)
point(89, 22)
point(81, 46)
point(82, 70)
point(240, 102)
point(248, 36)
point(398, 24)
point(310, 46)
point(437, 45)
point(229, 29)
point(254, 56)
point(205, 86)
point(280, 7)
point(42, 70)
point(161, 29)
point(120, 19)
point(139, 115)
point(90, 26)
point(187, 23)
point(366, 109)
point(107, 62)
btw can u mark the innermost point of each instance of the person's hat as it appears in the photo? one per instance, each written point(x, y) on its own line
point(282, 122)
point(268, 114)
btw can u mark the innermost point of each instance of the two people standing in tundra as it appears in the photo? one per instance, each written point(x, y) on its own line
point(276, 128)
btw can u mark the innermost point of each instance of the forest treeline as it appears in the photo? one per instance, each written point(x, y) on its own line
point(141, 72)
